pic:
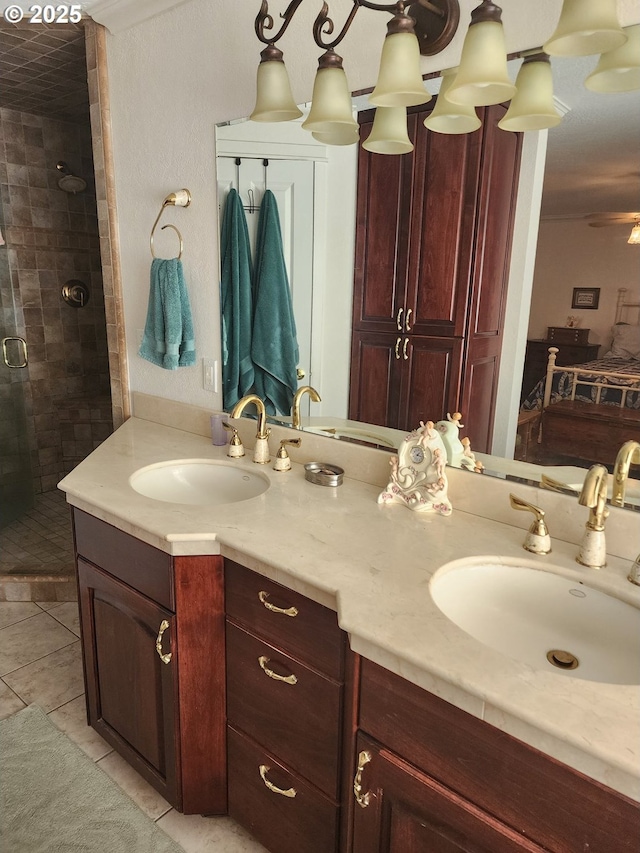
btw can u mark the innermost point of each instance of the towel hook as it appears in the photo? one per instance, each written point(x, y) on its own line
point(180, 198)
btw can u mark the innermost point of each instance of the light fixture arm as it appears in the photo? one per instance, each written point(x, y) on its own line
point(264, 21)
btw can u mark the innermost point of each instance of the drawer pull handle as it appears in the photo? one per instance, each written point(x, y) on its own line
point(288, 679)
point(361, 799)
point(289, 611)
point(289, 792)
point(163, 627)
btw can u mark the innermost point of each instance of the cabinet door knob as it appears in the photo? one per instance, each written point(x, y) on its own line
point(361, 799)
point(287, 611)
point(288, 792)
point(398, 347)
point(288, 679)
point(399, 319)
point(404, 349)
point(163, 627)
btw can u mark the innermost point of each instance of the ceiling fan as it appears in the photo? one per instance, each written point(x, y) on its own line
point(600, 220)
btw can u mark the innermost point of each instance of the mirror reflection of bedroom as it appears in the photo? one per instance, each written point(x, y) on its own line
point(586, 291)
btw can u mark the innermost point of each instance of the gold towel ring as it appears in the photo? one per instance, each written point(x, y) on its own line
point(181, 198)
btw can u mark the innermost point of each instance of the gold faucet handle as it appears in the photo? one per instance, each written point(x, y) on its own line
point(537, 539)
point(557, 486)
point(282, 452)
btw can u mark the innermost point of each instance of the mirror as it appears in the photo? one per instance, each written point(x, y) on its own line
point(591, 168)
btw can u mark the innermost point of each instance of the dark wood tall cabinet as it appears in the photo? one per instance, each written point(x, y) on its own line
point(433, 237)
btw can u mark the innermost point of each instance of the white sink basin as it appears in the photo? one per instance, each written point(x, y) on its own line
point(205, 482)
point(527, 614)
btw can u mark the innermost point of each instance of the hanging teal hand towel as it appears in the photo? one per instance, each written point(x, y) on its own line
point(168, 339)
point(274, 349)
point(237, 303)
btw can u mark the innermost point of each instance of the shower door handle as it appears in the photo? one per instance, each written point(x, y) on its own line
point(22, 345)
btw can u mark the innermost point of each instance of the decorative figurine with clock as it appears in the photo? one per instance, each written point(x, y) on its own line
point(418, 478)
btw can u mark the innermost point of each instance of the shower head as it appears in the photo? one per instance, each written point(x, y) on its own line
point(69, 182)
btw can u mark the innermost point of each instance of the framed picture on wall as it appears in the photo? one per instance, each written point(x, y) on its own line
point(585, 297)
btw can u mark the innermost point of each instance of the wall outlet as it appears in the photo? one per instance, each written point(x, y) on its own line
point(210, 374)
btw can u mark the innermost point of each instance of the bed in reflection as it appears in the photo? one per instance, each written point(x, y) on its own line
point(589, 410)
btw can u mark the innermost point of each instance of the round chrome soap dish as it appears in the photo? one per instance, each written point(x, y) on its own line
point(323, 474)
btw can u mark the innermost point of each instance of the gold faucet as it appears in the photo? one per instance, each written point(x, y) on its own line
point(594, 495)
point(629, 454)
point(295, 408)
point(261, 448)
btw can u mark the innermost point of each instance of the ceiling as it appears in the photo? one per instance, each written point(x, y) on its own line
point(43, 70)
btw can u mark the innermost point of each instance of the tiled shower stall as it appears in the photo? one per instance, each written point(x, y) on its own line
point(51, 239)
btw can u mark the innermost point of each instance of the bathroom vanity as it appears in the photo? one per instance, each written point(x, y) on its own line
point(313, 682)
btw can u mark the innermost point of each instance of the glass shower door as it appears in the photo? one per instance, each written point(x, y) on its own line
point(16, 485)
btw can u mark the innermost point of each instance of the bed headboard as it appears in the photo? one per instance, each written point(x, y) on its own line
point(628, 307)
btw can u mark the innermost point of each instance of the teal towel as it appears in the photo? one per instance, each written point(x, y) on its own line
point(236, 301)
point(274, 348)
point(168, 339)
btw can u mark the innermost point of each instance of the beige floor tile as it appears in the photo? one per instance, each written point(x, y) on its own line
point(9, 702)
point(199, 834)
point(31, 639)
point(15, 611)
point(71, 718)
point(48, 605)
point(140, 791)
point(67, 614)
point(51, 681)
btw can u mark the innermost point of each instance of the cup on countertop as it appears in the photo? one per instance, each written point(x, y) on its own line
point(218, 433)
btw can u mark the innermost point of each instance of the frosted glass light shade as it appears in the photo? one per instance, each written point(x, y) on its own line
point(389, 132)
point(618, 70)
point(447, 117)
point(331, 108)
point(274, 100)
point(586, 27)
point(532, 106)
point(344, 135)
point(399, 78)
point(482, 78)
point(634, 237)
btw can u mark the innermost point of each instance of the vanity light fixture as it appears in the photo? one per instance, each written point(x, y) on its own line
point(618, 70)
point(389, 132)
point(586, 27)
point(427, 27)
point(634, 237)
point(532, 106)
point(482, 77)
point(447, 117)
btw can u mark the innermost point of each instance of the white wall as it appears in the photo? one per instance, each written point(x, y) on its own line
point(572, 254)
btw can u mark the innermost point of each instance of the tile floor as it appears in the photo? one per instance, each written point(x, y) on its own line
point(36, 553)
point(40, 661)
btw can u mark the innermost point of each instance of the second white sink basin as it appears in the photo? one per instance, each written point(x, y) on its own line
point(543, 619)
point(204, 482)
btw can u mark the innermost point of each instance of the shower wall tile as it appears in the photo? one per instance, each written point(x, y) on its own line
point(52, 237)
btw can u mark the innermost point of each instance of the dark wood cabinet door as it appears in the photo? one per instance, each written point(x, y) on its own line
point(376, 375)
point(405, 811)
point(131, 692)
point(430, 380)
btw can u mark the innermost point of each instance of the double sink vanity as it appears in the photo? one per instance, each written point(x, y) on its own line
point(339, 675)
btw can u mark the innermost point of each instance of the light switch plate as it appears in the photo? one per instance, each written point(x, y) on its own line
point(210, 374)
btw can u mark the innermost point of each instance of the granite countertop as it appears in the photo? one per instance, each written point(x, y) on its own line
point(372, 564)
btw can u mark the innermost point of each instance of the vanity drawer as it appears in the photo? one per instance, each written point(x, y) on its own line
point(300, 722)
point(306, 822)
point(548, 802)
point(141, 566)
point(309, 628)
